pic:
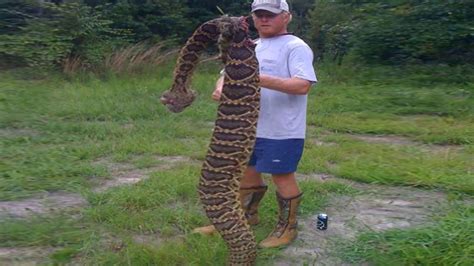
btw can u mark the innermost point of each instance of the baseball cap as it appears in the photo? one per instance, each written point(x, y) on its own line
point(274, 6)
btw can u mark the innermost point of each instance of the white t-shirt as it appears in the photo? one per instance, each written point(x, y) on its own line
point(283, 115)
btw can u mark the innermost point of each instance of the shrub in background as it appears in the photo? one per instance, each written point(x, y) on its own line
point(330, 25)
point(393, 32)
point(416, 31)
point(83, 33)
point(60, 32)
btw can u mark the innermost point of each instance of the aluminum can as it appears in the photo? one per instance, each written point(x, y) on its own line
point(322, 221)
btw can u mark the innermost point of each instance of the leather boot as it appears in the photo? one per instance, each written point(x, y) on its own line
point(285, 231)
point(249, 200)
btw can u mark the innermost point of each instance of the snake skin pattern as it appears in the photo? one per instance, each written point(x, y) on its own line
point(234, 132)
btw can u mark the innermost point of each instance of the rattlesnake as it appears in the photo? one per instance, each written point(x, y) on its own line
point(235, 127)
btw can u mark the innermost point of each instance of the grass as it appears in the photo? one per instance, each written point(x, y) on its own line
point(43, 231)
point(446, 168)
point(432, 104)
point(438, 114)
point(56, 130)
point(163, 201)
point(448, 242)
point(165, 208)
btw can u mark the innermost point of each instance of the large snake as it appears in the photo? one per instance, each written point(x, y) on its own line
point(234, 133)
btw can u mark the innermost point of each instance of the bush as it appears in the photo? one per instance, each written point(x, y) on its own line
point(330, 24)
point(61, 31)
point(416, 31)
point(399, 31)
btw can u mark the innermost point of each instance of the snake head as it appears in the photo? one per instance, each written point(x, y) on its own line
point(177, 101)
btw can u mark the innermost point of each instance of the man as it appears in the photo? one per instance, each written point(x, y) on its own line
point(286, 75)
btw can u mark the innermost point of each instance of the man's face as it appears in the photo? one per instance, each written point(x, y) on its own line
point(269, 24)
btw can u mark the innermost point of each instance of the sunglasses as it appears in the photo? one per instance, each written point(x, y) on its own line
point(265, 14)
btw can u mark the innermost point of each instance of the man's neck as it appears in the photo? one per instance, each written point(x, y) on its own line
point(276, 35)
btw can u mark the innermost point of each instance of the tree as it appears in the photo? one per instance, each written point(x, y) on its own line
point(60, 31)
point(401, 31)
point(417, 31)
point(330, 24)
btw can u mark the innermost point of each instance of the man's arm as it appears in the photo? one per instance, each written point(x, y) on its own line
point(292, 85)
point(287, 85)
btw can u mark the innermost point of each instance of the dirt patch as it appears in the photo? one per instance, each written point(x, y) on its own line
point(375, 208)
point(18, 132)
point(397, 140)
point(47, 203)
point(122, 174)
point(126, 173)
point(389, 140)
point(318, 142)
point(385, 139)
point(156, 239)
point(24, 256)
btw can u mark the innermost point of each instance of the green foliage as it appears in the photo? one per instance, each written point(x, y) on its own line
point(13, 15)
point(393, 31)
point(165, 20)
point(417, 30)
point(80, 34)
point(148, 19)
point(61, 31)
point(36, 33)
point(329, 28)
point(205, 10)
point(299, 10)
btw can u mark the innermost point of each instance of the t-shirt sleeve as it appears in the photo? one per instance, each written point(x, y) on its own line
point(300, 63)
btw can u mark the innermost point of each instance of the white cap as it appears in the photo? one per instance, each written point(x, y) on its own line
point(274, 6)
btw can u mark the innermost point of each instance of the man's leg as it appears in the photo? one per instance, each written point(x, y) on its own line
point(286, 185)
point(251, 178)
point(288, 197)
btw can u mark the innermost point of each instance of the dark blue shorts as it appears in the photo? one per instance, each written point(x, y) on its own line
point(276, 156)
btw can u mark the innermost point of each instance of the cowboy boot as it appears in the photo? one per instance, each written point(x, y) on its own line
point(285, 231)
point(249, 200)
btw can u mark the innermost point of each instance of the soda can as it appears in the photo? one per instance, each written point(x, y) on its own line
point(322, 221)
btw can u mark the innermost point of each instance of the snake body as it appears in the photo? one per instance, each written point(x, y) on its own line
point(234, 132)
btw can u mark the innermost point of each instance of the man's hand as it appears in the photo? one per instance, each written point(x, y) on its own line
point(244, 25)
point(216, 95)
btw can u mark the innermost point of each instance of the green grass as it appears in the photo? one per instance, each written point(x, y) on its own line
point(65, 237)
point(55, 131)
point(432, 104)
point(43, 231)
point(71, 124)
point(448, 169)
point(438, 114)
point(448, 242)
point(167, 200)
point(167, 208)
